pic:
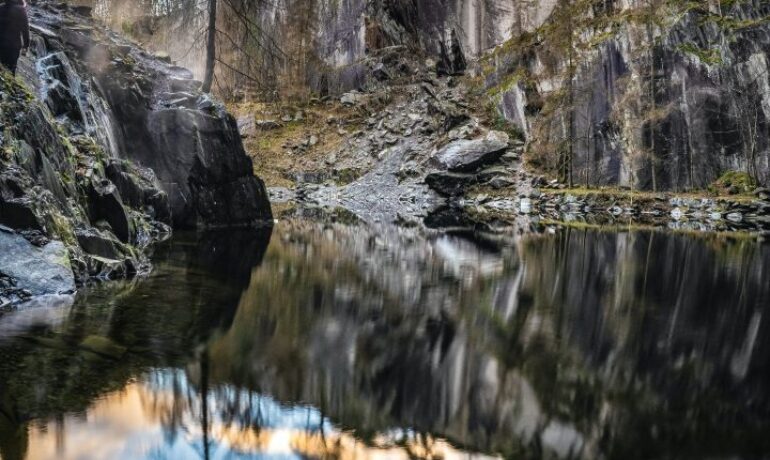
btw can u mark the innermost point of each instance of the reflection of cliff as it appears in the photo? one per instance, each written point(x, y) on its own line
point(114, 332)
point(672, 330)
point(578, 344)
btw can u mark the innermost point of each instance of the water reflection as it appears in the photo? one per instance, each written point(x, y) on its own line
point(164, 417)
point(355, 341)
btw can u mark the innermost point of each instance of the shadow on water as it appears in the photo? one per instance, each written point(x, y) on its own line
point(343, 340)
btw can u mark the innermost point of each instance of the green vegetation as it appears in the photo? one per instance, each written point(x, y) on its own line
point(707, 56)
point(733, 183)
point(13, 98)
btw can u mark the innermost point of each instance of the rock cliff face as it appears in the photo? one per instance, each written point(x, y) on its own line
point(648, 94)
point(323, 44)
point(664, 95)
point(343, 33)
point(669, 98)
point(104, 148)
point(644, 93)
point(156, 117)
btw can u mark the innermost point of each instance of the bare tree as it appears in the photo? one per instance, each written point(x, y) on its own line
point(211, 47)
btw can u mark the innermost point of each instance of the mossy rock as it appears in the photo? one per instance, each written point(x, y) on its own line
point(733, 183)
point(103, 346)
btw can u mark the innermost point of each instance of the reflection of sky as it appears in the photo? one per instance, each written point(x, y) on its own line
point(269, 412)
point(160, 417)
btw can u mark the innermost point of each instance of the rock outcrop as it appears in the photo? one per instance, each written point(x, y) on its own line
point(104, 148)
point(155, 116)
point(328, 42)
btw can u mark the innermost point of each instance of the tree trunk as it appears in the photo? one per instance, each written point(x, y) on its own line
point(571, 89)
point(653, 116)
point(211, 47)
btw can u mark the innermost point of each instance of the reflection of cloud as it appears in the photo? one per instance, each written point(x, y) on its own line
point(133, 424)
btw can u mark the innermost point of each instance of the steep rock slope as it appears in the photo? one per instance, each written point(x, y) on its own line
point(155, 115)
point(104, 147)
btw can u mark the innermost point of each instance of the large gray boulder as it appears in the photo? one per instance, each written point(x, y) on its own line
point(468, 155)
point(41, 270)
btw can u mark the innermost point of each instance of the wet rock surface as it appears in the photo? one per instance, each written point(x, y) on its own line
point(28, 270)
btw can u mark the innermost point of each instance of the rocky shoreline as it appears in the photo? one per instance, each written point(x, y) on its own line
point(677, 212)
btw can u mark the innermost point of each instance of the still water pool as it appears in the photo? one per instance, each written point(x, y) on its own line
point(351, 341)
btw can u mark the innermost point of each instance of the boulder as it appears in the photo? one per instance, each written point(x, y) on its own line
point(99, 243)
point(18, 213)
point(500, 182)
point(468, 155)
point(247, 126)
point(139, 188)
point(42, 270)
point(266, 125)
point(103, 268)
point(200, 161)
point(352, 98)
point(104, 203)
point(380, 72)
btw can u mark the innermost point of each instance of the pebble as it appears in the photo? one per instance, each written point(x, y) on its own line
point(525, 205)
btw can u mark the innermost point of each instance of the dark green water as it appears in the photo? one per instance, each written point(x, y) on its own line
point(324, 340)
